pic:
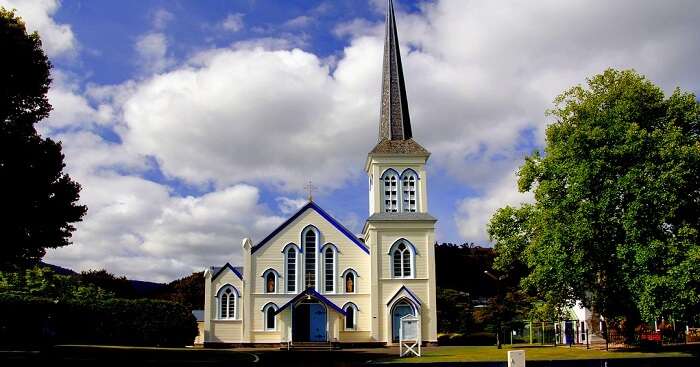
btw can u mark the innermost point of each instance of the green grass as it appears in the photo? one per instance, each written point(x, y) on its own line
point(491, 354)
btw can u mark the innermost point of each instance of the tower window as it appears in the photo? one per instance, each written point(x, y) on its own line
point(409, 185)
point(391, 191)
point(402, 260)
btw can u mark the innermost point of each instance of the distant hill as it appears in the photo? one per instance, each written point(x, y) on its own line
point(57, 269)
point(141, 288)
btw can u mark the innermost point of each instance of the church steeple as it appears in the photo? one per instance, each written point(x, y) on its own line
point(395, 121)
point(395, 133)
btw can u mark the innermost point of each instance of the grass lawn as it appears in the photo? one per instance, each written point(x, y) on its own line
point(491, 354)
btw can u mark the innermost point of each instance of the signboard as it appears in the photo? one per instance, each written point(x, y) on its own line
point(409, 336)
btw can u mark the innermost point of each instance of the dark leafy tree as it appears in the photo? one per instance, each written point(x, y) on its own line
point(454, 311)
point(616, 218)
point(39, 200)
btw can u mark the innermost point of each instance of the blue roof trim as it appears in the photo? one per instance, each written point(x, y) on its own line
point(229, 266)
point(410, 293)
point(319, 296)
point(326, 216)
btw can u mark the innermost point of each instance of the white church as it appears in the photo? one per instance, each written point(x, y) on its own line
point(311, 280)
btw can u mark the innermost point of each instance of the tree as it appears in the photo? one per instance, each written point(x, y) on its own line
point(454, 311)
point(39, 200)
point(616, 220)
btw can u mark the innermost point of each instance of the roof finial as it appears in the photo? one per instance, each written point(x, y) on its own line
point(310, 187)
point(395, 122)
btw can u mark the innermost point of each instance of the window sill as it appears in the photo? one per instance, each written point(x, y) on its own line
point(228, 320)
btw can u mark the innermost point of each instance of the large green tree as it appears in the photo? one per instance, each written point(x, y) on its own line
point(39, 201)
point(615, 222)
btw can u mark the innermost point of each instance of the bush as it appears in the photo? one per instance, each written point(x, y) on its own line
point(27, 320)
point(481, 338)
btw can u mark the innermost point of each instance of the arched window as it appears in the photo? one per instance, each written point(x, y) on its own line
point(350, 281)
point(391, 191)
point(227, 298)
point(309, 237)
point(270, 316)
point(409, 186)
point(350, 316)
point(291, 269)
point(329, 268)
point(402, 259)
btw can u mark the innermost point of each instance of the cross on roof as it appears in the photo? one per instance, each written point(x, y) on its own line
point(310, 188)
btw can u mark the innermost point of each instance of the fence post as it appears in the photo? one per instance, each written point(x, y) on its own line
point(607, 334)
point(530, 331)
point(542, 340)
point(588, 337)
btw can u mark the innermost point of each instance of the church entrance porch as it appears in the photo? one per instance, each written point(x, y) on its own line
point(400, 309)
point(309, 322)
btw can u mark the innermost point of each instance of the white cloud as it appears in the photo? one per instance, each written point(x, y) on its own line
point(299, 22)
point(140, 228)
point(161, 18)
point(233, 22)
point(152, 52)
point(288, 206)
point(57, 39)
point(263, 113)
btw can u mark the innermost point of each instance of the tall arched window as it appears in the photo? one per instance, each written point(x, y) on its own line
point(310, 239)
point(270, 316)
point(329, 269)
point(409, 186)
point(291, 269)
point(227, 302)
point(350, 316)
point(402, 260)
point(391, 191)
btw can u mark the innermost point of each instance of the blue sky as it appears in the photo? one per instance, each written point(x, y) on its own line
point(193, 124)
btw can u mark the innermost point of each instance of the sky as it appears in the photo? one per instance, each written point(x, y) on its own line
point(193, 124)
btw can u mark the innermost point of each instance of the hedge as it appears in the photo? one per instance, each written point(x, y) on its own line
point(26, 320)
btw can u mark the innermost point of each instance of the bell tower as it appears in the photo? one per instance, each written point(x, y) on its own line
point(396, 165)
point(399, 231)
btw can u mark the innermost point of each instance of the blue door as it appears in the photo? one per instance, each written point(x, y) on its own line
point(400, 310)
point(317, 323)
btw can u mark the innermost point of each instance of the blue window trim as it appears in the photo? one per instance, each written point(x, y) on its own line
point(385, 174)
point(331, 245)
point(227, 266)
point(409, 292)
point(227, 285)
point(322, 213)
point(411, 246)
point(264, 273)
point(410, 170)
point(349, 304)
point(292, 244)
point(313, 293)
point(349, 270)
point(269, 304)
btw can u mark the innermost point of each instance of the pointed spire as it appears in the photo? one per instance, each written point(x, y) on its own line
point(395, 122)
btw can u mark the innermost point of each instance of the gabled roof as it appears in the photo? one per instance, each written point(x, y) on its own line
point(407, 292)
point(216, 271)
point(312, 206)
point(312, 292)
